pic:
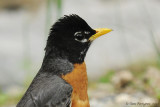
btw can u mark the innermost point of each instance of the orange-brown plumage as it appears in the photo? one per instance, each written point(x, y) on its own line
point(79, 81)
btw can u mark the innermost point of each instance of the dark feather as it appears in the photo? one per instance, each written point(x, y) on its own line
point(47, 91)
point(72, 21)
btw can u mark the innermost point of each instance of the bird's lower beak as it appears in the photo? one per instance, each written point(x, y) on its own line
point(99, 32)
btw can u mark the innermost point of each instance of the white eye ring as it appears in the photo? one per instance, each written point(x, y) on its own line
point(86, 32)
point(76, 33)
point(82, 41)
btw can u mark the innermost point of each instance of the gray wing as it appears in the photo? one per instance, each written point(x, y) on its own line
point(50, 91)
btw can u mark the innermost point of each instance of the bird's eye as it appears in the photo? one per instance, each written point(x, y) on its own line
point(79, 36)
point(86, 32)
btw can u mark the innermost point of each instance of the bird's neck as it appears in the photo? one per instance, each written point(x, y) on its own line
point(74, 56)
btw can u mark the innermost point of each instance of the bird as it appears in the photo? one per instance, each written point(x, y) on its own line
point(62, 79)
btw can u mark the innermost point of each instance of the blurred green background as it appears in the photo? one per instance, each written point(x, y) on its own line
point(123, 66)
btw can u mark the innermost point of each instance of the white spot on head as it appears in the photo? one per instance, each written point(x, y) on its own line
point(86, 32)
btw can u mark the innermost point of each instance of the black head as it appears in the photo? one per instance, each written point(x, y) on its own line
point(70, 36)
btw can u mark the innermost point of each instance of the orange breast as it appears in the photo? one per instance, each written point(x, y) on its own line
point(79, 81)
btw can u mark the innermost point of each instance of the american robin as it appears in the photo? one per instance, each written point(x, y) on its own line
point(62, 79)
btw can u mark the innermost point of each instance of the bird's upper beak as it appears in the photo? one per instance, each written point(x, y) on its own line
point(99, 32)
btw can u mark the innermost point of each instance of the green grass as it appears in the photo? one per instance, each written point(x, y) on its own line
point(6, 99)
point(3, 98)
point(157, 93)
point(107, 77)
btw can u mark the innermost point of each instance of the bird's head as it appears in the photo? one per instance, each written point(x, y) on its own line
point(73, 36)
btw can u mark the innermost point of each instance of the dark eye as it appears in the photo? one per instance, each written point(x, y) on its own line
point(79, 36)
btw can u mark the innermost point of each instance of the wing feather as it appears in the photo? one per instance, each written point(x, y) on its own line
point(50, 91)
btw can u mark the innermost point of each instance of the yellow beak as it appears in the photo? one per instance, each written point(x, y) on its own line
point(99, 32)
